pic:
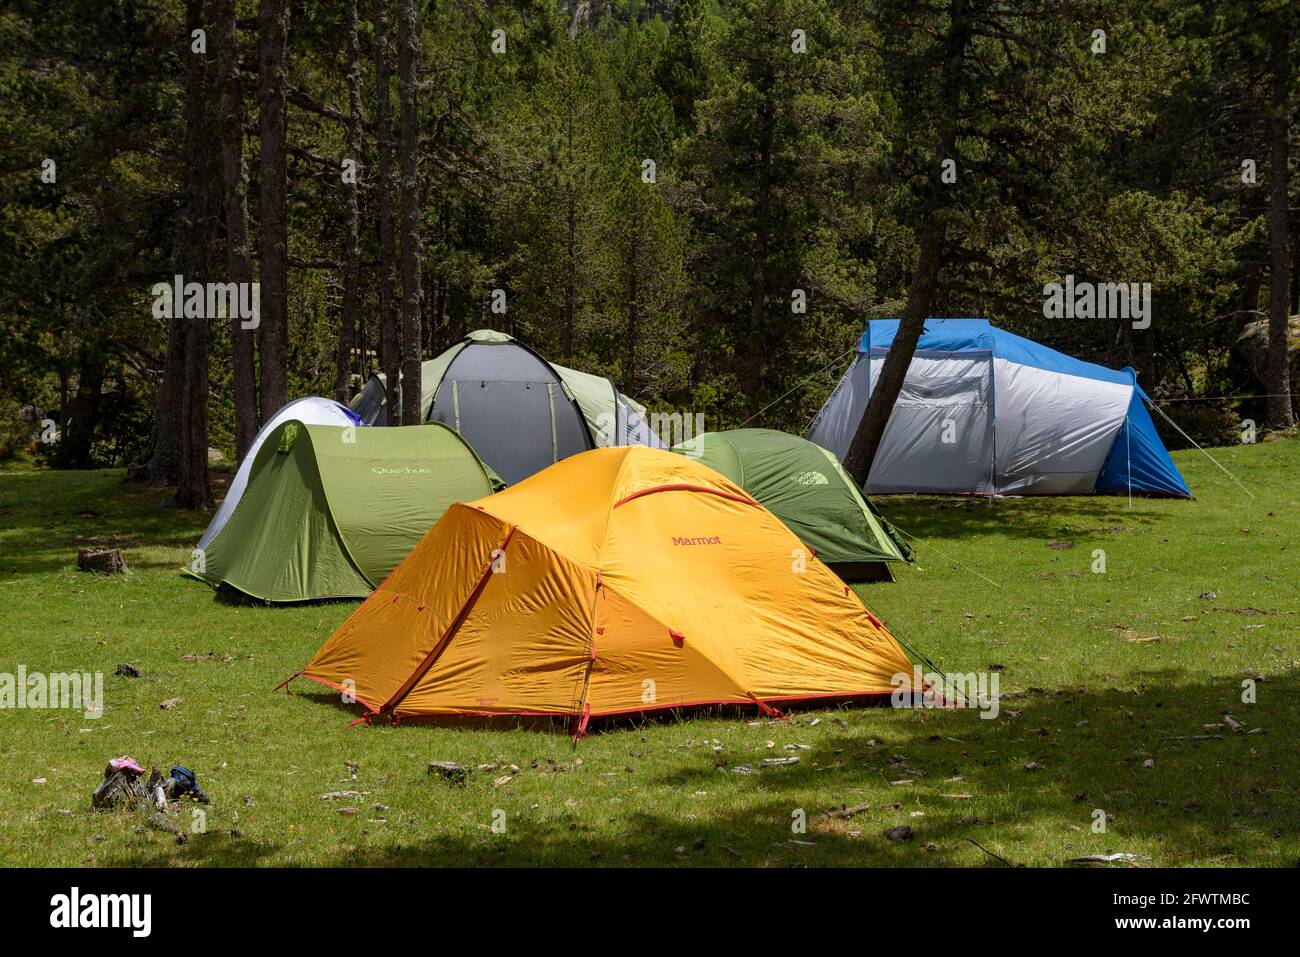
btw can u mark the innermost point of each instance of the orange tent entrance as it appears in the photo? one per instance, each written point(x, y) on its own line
point(616, 581)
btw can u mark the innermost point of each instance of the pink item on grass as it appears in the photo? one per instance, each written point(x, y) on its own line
point(126, 763)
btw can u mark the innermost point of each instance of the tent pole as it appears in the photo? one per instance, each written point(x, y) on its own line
point(1128, 454)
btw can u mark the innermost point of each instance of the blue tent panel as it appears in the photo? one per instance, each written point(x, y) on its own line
point(1140, 457)
point(941, 335)
point(980, 335)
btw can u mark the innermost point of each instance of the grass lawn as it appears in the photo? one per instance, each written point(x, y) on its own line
point(1108, 681)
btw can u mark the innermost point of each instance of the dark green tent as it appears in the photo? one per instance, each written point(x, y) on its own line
point(806, 487)
point(329, 511)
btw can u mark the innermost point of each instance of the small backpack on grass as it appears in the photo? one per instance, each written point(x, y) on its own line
point(186, 785)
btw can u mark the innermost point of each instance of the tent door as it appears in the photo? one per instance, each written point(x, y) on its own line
point(517, 427)
point(940, 434)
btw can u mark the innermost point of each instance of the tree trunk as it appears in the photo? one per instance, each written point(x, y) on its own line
point(78, 426)
point(273, 224)
point(196, 240)
point(1295, 268)
point(161, 462)
point(1279, 379)
point(192, 489)
point(426, 312)
point(753, 353)
point(866, 440)
point(569, 320)
point(632, 376)
point(351, 228)
point(63, 395)
point(920, 293)
point(389, 349)
point(239, 258)
point(408, 39)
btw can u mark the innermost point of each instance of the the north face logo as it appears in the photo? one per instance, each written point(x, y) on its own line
point(810, 478)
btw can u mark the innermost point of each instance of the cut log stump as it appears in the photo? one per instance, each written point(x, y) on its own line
point(105, 561)
point(449, 771)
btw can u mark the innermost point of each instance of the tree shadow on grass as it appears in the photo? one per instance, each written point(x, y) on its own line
point(1023, 788)
point(1043, 518)
point(46, 515)
point(1057, 759)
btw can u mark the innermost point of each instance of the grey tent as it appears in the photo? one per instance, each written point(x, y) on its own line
point(518, 411)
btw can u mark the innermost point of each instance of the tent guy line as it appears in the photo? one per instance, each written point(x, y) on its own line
point(917, 538)
point(1201, 450)
point(798, 385)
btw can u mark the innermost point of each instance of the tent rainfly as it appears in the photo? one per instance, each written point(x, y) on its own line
point(519, 412)
point(986, 412)
point(330, 511)
point(621, 580)
point(805, 486)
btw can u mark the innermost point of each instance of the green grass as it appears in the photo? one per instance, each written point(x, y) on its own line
point(1082, 700)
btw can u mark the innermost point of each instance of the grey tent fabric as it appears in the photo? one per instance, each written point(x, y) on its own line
point(518, 411)
point(511, 407)
point(984, 411)
point(369, 403)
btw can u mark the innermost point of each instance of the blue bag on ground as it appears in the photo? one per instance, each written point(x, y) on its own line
point(187, 784)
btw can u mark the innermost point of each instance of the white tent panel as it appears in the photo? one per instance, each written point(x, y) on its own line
point(1061, 453)
point(940, 433)
point(984, 411)
point(838, 419)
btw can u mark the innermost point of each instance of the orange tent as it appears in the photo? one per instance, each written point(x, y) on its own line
point(618, 580)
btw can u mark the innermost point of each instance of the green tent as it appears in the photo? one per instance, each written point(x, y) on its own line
point(806, 487)
point(329, 511)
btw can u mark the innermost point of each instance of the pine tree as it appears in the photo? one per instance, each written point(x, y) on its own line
point(273, 211)
point(408, 41)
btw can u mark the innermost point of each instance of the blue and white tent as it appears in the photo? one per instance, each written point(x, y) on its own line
point(987, 412)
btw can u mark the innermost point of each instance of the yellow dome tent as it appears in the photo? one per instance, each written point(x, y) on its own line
point(618, 580)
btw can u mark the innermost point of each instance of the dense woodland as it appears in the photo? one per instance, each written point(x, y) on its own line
point(703, 200)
